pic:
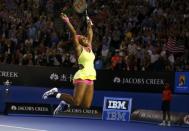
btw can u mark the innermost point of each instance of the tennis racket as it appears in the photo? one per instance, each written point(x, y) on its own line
point(80, 6)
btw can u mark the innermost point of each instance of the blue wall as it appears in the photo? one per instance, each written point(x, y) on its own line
point(140, 100)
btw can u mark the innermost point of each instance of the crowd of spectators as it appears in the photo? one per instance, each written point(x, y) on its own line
point(130, 35)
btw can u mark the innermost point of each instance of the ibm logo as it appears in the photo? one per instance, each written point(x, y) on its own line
point(117, 104)
point(118, 109)
point(115, 115)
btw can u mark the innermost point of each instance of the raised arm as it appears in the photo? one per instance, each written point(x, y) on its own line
point(89, 30)
point(71, 28)
point(74, 34)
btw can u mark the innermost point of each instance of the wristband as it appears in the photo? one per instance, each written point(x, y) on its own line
point(66, 20)
point(89, 20)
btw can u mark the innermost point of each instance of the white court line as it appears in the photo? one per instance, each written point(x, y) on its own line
point(17, 127)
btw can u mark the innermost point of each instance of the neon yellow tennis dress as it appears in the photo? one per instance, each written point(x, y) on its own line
point(87, 60)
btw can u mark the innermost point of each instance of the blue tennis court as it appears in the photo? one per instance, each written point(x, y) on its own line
point(47, 123)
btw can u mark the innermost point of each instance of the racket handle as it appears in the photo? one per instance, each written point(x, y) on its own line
point(86, 13)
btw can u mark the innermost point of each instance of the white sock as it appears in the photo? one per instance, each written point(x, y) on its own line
point(58, 95)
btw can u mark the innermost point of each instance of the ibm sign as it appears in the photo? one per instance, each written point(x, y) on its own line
point(117, 109)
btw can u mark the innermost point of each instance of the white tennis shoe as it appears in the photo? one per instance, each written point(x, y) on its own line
point(163, 123)
point(49, 93)
point(61, 107)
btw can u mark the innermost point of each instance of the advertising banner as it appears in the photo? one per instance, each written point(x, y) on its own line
point(137, 81)
point(28, 108)
point(92, 113)
point(47, 109)
point(177, 118)
point(36, 76)
point(106, 79)
point(182, 82)
point(117, 109)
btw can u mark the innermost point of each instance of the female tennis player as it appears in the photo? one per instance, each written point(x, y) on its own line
point(84, 77)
